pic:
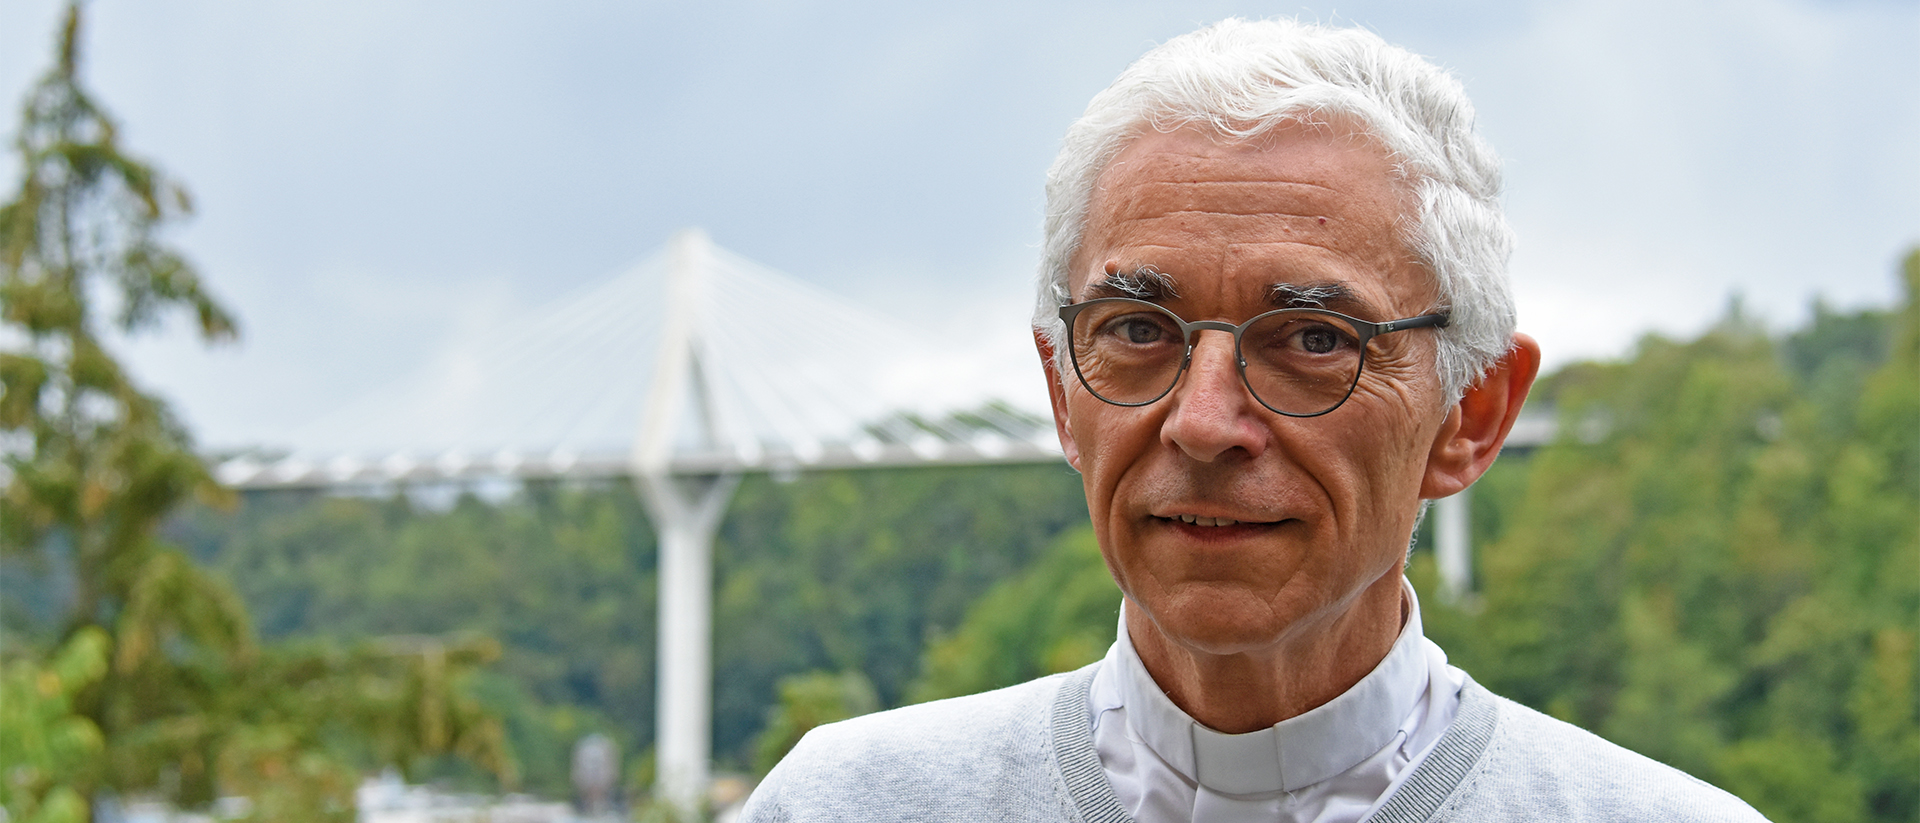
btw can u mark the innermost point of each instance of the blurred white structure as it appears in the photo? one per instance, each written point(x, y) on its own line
point(386, 799)
point(596, 774)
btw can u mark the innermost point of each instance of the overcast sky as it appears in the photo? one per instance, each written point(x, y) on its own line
point(379, 182)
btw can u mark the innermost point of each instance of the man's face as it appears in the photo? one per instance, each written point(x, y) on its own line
point(1320, 508)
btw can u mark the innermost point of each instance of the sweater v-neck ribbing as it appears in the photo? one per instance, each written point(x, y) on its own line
point(1417, 798)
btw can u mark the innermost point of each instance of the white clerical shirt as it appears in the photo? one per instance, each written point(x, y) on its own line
point(1333, 764)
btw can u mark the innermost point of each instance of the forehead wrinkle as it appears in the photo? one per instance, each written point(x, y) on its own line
point(1166, 246)
point(1242, 181)
point(1385, 260)
point(1187, 191)
point(1288, 209)
point(1252, 213)
point(1237, 246)
point(1316, 249)
point(1253, 225)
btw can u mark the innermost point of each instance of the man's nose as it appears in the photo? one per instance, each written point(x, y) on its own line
point(1213, 413)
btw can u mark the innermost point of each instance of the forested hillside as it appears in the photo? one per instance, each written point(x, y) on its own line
point(837, 572)
point(1717, 563)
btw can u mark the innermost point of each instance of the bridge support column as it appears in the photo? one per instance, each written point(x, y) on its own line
point(686, 514)
point(1453, 535)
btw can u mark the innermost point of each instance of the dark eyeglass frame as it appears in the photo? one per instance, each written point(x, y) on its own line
point(1364, 331)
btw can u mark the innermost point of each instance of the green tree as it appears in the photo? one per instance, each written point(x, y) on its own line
point(1718, 564)
point(1057, 615)
point(104, 461)
point(859, 571)
point(806, 701)
point(186, 702)
point(47, 742)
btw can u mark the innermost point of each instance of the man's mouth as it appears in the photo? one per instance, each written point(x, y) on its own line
point(1228, 525)
point(1204, 521)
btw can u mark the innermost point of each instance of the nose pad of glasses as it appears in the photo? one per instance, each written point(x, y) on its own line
point(1186, 362)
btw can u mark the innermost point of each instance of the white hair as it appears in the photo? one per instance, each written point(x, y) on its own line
point(1242, 78)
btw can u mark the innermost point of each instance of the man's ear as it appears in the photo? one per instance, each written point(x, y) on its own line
point(1474, 430)
point(1057, 391)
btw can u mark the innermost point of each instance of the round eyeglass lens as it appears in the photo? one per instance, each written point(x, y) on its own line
point(1127, 353)
point(1301, 361)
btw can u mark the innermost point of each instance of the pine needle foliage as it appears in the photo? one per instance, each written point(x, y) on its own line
point(93, 463)
point(156, 684)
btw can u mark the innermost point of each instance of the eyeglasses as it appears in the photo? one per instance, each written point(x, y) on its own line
point(1296, 362)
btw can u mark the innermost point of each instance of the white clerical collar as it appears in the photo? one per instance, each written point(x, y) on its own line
point(1294, 753)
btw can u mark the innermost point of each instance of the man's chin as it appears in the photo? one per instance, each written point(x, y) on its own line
point(1209, 622)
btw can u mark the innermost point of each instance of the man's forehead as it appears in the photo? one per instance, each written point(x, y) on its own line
point(1285, 170)
point(1190, 148)
point(1287, 212)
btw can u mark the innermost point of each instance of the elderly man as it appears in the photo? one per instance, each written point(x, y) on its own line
point(1274, 320)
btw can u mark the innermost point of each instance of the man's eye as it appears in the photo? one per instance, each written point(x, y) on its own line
point(1138, 329)
point(1306, 338)
point(1142, 332)
point(1319, 340)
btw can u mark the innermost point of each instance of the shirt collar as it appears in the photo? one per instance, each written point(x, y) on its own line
point(1294, 753)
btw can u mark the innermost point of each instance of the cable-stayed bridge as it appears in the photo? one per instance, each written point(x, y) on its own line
point(690, 369)
point(694, 356)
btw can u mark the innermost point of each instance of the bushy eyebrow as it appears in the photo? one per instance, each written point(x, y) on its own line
point(1150, 284)
point(1140, 283)
point(1326, 294)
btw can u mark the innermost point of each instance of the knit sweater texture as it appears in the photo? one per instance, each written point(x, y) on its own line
point(1026, 753)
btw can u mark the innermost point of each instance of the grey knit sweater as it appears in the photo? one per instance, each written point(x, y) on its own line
point(1027, 753)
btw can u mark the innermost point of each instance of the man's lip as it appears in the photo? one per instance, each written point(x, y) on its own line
point(1214, 517)
point(1218, 532)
